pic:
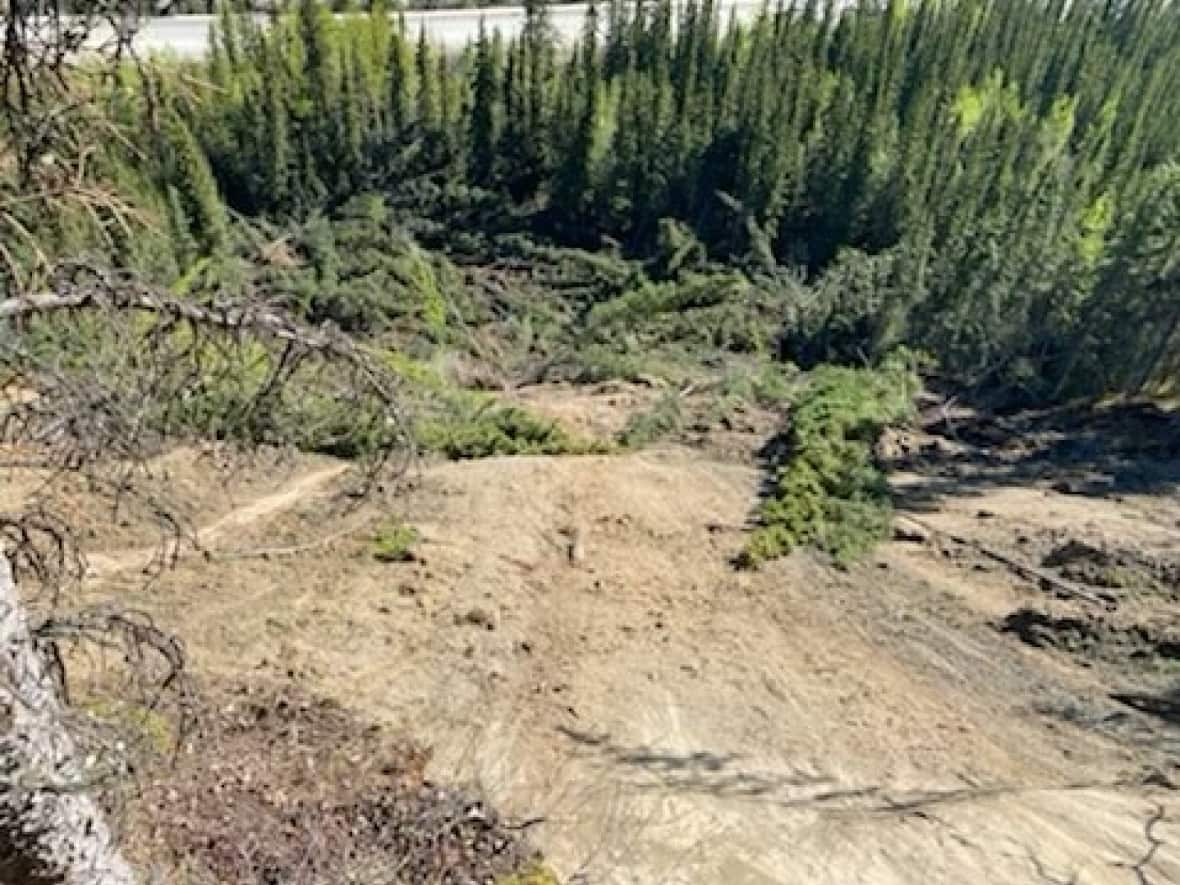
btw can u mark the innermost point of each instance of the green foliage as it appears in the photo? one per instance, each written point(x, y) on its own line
point(462, 424)
point(769, 385)
point(985, 182)
point(650, 328)
point(828, 492)
point(394, 542)
point(147, 727)
point(486, 429)
point(193, 189)
point(366, 273)
point(652, 299)
point(593, 363)
point(535, 873)
point(664, 418)
point(487, 112)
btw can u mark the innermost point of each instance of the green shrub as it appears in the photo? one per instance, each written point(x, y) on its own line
point(650, 300)
point(534, 873)
point(365, 273)
point(593, 363)
point(663, 418)
point(491, 429)
point(394, 542)
point(828, 491)
point(462, 424)
point(148, 728)
point(772, 385)
point(768, 384)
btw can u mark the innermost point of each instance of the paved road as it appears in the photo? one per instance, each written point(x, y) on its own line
point(188, 35)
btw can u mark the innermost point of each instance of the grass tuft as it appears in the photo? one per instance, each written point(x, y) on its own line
point(394, 542)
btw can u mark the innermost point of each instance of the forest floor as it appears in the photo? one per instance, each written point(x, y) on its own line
point(993, 696)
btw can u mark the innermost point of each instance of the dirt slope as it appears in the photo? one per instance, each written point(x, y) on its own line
point(573, 639)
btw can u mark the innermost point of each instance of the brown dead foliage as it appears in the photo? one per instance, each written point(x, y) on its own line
point(277, 786)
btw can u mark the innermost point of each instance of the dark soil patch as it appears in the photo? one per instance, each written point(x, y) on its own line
point(281, 787)
point(1093, 637)
point(1075, 433)
point(1083, 449)
point(1165, 706)
point(1114, 569)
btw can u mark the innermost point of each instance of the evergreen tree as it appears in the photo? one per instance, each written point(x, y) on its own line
point(486, 111)
point(402, 82)
point(574, 183)
point(427, 113)
point(1002, 168)
point(191, 179)
point(275, 127)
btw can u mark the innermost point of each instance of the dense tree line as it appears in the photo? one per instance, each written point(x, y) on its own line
point(210, 7)
point(992, 181)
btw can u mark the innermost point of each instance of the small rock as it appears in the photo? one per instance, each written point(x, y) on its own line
point(909, 534)
point(984, 514)
point(575, 552)
point(477, 617)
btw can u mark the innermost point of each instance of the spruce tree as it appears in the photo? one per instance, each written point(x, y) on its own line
point(190, 176)
point(402, 82)
point(486, 111)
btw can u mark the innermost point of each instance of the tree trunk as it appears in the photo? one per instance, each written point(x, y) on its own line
point(51, 830)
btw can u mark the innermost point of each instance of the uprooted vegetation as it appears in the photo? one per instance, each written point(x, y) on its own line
point(331, 238)
point(827, 489)
point(277, 785)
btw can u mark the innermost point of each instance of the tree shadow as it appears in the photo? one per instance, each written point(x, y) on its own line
point(721, 775)
point(1124, 448)
point(1164, 705)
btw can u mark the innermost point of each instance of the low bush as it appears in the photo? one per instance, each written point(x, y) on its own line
point(491, 429)
point(463, 424)
point(394, 542)
point(651, 300)
point(534, 873)
point(665, 417)
point(828, 491)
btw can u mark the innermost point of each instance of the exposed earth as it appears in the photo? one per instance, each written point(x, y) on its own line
point(993, 696)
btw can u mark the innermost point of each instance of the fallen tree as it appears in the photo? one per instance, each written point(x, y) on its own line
point(51, 829)
point(99, 373)
point(105, 422)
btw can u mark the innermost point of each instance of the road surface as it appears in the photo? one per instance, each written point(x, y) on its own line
point(188, 35)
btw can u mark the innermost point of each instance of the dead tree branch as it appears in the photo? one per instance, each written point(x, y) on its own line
point(257, 372)
point(1038, 576)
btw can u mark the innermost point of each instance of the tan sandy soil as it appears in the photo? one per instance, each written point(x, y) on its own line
point(573, 639)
